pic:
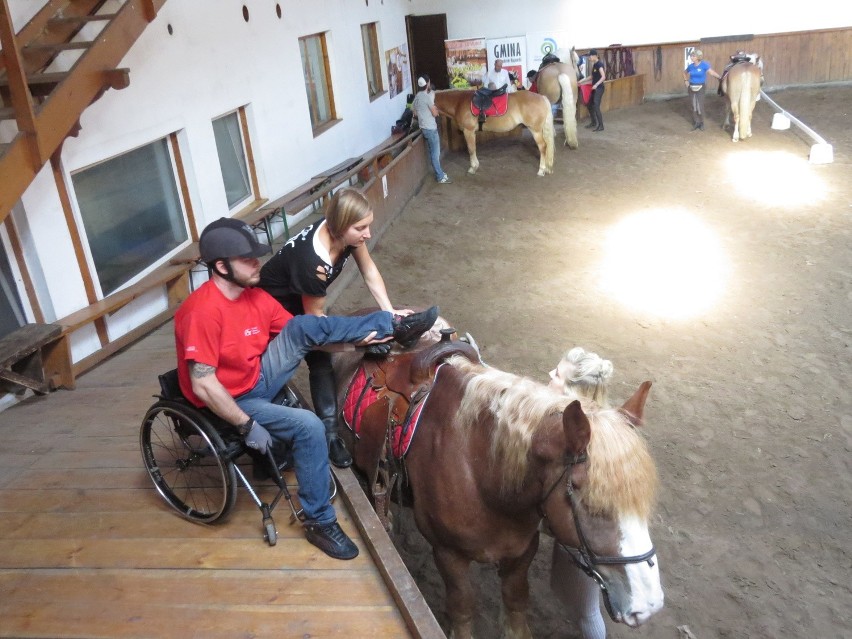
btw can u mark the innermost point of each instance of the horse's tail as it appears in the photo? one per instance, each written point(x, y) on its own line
point(547, 132)
point(569, 110)
point(748, 92)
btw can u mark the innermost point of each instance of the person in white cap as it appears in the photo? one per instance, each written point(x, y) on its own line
point(425, 111)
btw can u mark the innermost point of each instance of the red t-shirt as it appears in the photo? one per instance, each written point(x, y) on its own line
point(230, 335)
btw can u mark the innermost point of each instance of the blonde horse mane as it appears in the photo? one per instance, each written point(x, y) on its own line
point(622, 477)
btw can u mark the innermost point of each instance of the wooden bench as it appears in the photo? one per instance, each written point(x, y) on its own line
point(35, 356)
point(290, 203)
point(343, 167)
point(175, 279)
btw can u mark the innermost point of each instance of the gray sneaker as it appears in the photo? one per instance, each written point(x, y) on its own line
point(445, 180)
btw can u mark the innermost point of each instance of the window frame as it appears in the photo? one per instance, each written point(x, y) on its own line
point(249, 174)
point(373, 60)
point(318, 125)
point(185, 218)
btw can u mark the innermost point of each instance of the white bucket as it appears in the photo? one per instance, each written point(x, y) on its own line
point(821, 154)
point(780, 122)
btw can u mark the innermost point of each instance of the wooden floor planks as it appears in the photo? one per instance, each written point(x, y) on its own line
point(88, 548)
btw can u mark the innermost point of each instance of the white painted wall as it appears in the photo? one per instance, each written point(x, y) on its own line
point(598, 24)
point(213, 63)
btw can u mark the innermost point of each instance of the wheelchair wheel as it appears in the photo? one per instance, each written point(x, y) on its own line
point(184, 456)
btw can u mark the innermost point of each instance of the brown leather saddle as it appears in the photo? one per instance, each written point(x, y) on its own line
point(381, 411)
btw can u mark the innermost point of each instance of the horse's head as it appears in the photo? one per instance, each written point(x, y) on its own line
point(599, 482)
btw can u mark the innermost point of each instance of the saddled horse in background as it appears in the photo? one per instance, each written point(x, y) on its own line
point(530, 109)
point(558, 83)
point(492, 455)
point(741, 87)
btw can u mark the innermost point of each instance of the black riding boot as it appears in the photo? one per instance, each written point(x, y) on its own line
point(324, 397)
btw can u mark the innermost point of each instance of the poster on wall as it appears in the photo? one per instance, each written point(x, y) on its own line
point(466, 61)
point(687, 51)
point(399, 75)
point(543, 42)
point(512, 51)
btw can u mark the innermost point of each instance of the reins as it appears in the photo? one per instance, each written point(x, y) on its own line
point(584, 557)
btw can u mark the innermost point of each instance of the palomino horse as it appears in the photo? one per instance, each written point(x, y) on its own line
point(530, 109)
point(492, 455)
point(558, 83)
point(741, 86)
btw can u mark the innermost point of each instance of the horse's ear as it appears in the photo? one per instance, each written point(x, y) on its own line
point(634, 408)
point(577, 429)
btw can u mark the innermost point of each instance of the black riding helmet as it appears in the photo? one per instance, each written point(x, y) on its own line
point(227, 238)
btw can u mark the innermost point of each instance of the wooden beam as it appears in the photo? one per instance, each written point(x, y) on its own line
point(71, 223)
point(418, 617)
point(82, 19)
point(22, 100)
point(117, 78)
point(56, 47)
point(69, 99)
point(44, 29)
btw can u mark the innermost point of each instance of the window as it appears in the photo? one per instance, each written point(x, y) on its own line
point(317, 82)
point(232, 158)
point(11, 309)
point(372, 61)
point(131, 212)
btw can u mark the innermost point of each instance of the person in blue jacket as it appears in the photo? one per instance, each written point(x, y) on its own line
point(695, 77)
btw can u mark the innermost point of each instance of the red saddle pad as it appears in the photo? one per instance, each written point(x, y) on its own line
point(498, 107)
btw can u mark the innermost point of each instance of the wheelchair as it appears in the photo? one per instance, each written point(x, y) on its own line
point(191, 456)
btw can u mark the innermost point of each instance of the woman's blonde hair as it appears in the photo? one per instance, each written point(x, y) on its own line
point(586, 374)
point(698, 53)
point(346, 207)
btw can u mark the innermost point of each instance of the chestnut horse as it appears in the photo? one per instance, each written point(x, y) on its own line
point(530, 109)
point(741, 87)
point(558, 83)
point(493, 454)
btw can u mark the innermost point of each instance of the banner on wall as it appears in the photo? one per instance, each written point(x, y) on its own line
point(512, 51)
point(543, 42)
point(399, 74)
point(687, 51)
point(466, 60)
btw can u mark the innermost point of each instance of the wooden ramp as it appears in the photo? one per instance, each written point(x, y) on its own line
point(88, 548)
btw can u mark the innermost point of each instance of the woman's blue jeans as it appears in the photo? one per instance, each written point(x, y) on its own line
point(300, 427)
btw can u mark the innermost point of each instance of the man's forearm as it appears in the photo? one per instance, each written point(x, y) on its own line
point(209, 390)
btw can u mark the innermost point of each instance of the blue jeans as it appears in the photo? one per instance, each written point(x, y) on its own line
point(433, 145)
point(297, 426)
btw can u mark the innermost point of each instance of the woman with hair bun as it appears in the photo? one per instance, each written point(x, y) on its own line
point(298, 276)
point(585, 375)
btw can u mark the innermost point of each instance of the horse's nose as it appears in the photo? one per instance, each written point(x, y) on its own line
point(636, 618)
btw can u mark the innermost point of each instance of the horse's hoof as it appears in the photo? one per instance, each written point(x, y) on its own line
point(541, 174)
point(471, 171)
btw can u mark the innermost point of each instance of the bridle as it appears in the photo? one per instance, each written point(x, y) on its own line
point(584, 557)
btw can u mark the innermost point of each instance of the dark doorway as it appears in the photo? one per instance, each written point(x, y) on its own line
point(426, 35)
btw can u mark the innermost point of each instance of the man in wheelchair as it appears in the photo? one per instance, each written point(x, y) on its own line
point(236, 348)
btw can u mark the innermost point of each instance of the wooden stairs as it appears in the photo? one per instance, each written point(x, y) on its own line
point(63, 60)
